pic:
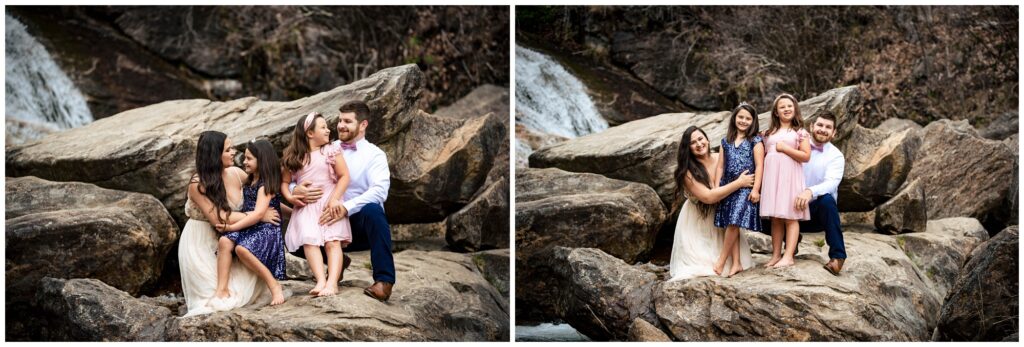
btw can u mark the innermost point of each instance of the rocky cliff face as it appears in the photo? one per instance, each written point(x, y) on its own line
point(116, 54)
point(709, 58)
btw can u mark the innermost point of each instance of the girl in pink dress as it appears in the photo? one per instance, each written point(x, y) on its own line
point(310, 157)
point(786, 149)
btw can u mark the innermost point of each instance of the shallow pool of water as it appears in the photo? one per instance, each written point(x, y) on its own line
point(548, 332)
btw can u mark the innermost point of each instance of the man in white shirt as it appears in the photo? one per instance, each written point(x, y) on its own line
point(822, 175)
point(364, 198)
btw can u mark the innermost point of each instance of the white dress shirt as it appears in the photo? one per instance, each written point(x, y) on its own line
point(369, 173)
point(824, 171)
point(369, 176)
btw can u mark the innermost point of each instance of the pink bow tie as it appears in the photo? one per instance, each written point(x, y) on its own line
point(351, 146)
point(819, 148)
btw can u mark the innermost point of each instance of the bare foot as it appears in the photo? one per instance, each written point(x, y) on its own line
point(718, 268)
point(316, 290)
point(784, 262)
point(736, 268)
point(222, 294)
point(771, 263)
point(329, 290)
point(278, 295)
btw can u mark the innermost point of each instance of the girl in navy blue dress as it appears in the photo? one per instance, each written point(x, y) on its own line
point(259, 245)
point(742, 151)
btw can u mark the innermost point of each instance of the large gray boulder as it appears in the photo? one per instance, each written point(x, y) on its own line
point(494, 264)
point(904, 213)
point(877, 164)
point(483, 223)
point(558, 208)
point(963, 174)
point(439, 163)
point(941, 250)
point(88, 309)
point(441, 296)
point(599, 294)
point(983, 304)
point(880, 296)
point(71, 230)
point(643, 331)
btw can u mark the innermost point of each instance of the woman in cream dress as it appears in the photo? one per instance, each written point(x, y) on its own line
point(217, 180)
point(697, 243)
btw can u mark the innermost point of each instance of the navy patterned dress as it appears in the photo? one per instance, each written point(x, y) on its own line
point(735, 209)
point(264, 240)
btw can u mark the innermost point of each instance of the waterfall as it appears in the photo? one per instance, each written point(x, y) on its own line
point(40, 97)
point(551, 100)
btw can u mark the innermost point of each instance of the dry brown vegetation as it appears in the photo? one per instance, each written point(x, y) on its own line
point(916, 62)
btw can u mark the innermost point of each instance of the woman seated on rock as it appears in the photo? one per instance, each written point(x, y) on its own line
point(697, 242)
point(215, 194)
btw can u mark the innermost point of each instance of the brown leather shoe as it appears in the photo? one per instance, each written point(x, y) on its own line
point(835, 265)
point(345, 262)
point(379, 290)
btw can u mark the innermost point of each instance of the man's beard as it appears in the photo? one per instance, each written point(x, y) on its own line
point(348, 136)
point(821, 139)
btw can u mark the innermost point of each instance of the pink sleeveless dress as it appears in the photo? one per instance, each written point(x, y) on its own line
point(783, 177)
point(304, 227)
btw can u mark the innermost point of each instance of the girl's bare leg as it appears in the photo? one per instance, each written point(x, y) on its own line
point(736, 265)
point(777, 234)
point(224, 248)
point(333, 268)
point(731, 235)
point(316, 264)
point(250, 261)
point(792, 236)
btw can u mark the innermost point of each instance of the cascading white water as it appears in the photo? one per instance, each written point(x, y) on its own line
point(40, 98)
point(551, 100)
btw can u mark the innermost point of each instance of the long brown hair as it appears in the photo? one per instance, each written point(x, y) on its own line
point(210, 169)
point(267, 164)
point(688, 163)
point(796, 123)
point(296, 155)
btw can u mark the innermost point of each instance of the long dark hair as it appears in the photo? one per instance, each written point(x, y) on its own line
point(688, 163)
point(267, 164)
point(796, 123)
point(297, 153)
point(730, 135)
point(210, 169)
